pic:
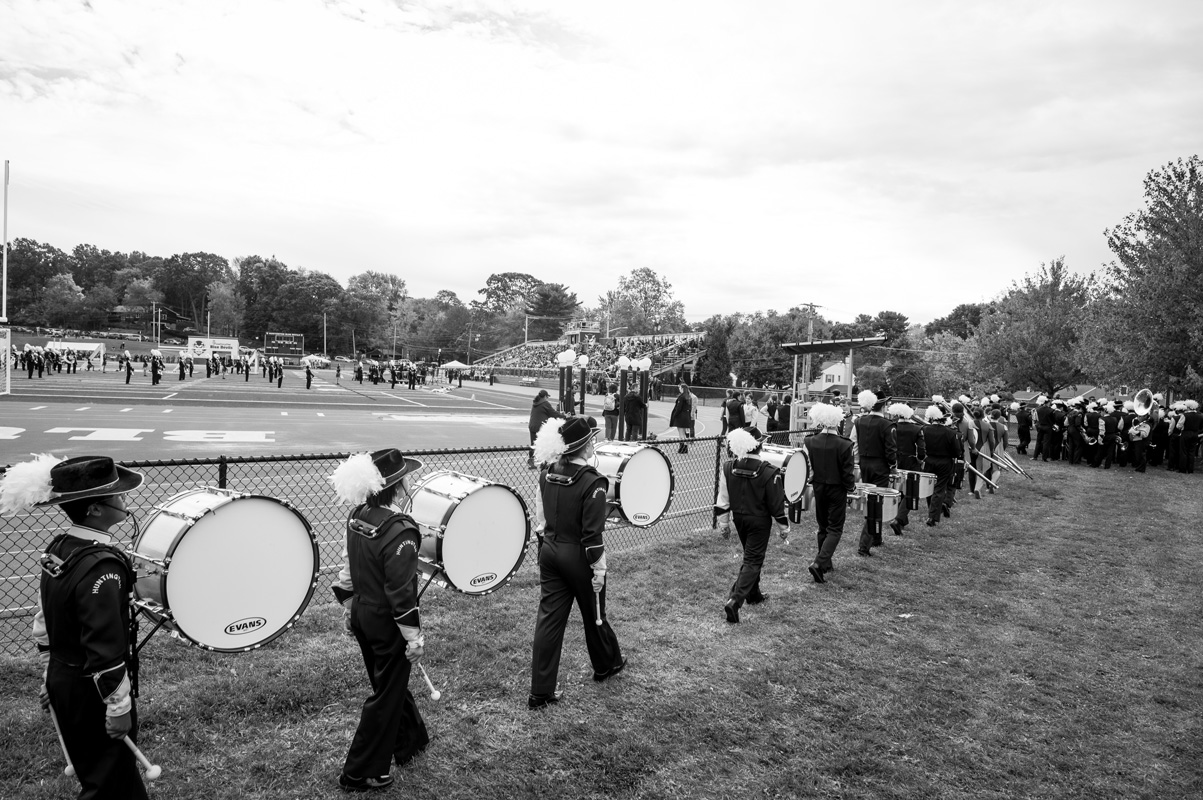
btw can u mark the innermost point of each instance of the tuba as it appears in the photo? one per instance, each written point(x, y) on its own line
point(1145, 407)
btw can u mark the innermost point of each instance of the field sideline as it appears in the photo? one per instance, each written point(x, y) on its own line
point(1044, 643)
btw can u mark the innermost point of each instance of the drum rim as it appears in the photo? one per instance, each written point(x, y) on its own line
point(172, 622)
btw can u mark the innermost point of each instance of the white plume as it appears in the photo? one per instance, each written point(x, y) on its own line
point(549, 445)
point(938, 398)
point(965, 401)
point(1015, 406)
point(741, 442)
point(933, 413)
point(26, 484)
point(356, 478)
point(867, 400)
point(1192, 405)
point(900, 410)
point(994, 398)
point(825, 416)
point(1042, 399)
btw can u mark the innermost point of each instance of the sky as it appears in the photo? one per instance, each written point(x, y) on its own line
point(868, 156)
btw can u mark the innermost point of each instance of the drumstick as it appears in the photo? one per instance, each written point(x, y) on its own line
point(435, 694)
point(597, 620)
point(70, 768)
point(153, 771)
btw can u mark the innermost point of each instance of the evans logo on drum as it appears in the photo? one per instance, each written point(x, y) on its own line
point(641, 516)
point(245, 626)
point(479, 579)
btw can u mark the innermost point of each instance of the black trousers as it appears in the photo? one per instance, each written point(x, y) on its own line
point(754, 534)
point(1190, 448)
point(1106, 452)
point(565, 576)
point(390, 726)
point(831, 509)
point(106, 767)
point(1139, 449)
point(941, 497)
point(877, 472)
point(1043, 435)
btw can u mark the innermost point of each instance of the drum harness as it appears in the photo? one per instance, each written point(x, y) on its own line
point(369, 531)
point(57, 567)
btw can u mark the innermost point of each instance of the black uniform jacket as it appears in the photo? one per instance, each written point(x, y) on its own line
point(86, 609)
point(875, 438)
point(382, 554)
point(1044, 417)
point(1024, 417)
point(831, 460)
point(941, 441)
point(912, 450)
point(574, 506)
point(754, 489)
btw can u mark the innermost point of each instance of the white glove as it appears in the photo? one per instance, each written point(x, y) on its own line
point(599, 574)
point(726, 531)
point(347, 615)
point(415, 647)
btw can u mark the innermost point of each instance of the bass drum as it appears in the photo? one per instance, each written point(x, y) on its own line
point(794, 464)
point(641, 481)
point(474, 531)
point(225, 571)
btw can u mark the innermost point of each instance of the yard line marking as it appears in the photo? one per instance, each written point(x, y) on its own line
point(167, 411)
point(37, 408)
point(173, 394)
point(125, 409)
point(85, 408)
point(320, 414)
point(405, 399)
point(284, 413)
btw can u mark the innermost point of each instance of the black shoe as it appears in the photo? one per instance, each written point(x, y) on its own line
point(816, 572)
point(864, 553)
point(540, 700)
point(896, 528)
point(931, 523)
point(350, 784)
point(757, 600)
point(610, 673)
point(947, 512)
point(731, 611)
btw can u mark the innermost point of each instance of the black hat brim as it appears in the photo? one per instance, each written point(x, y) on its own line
point(127, 481)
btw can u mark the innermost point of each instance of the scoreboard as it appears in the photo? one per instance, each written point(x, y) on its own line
point(284, 345)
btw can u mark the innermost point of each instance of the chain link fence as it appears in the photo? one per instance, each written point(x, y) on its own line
point(302, 481)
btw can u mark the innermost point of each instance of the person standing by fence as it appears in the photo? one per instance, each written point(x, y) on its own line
point(684, 413)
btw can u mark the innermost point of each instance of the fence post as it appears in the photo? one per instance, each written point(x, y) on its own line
point(221, 472)
point(718, 469)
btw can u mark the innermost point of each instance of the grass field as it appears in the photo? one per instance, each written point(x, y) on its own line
point(1043, 643)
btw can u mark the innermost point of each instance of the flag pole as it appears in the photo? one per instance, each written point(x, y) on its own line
point(4, 280)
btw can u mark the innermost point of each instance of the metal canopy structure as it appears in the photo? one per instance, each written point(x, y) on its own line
point(827, 346)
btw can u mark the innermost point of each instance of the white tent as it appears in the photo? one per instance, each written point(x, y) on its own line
point(316, 362)
point(82, 349)
point(454, 365)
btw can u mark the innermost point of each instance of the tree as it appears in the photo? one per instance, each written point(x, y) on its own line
point(945, 365)
point(226, 309)
point(643, 304)
point(95, 308)
point(259, 280)
point(1146, 326)
point(960, 321)
point(93, 267)
point(31, 265)
point(184, 278)
point(507, 291)
point(1030, 336)
point(60, 301)
point(715, 367)
point(555, 306)
point(142, 295)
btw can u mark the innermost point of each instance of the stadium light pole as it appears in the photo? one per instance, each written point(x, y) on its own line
point(4, 280)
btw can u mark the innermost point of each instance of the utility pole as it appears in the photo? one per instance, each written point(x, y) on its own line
point(4, 279)
point(325, 352)
point(810, 337)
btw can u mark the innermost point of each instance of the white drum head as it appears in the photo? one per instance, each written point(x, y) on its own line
point(795, 466)
point(240, 575)
point(485, 539)
point(645, 487)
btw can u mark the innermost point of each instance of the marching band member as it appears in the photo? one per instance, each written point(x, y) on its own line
point(1023, 418)
point(985, 443)
point(831, 461)
point(379, 587)
point(876, 444)
point(967, 433)
point(1092, 431)
point(912, 450)
point(1044, 429)
point(751, 491)
point(1191, 426)
point(943, 448)
point(83, 626)
point(570, 513)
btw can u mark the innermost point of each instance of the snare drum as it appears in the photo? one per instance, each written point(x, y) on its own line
point(229, 584)
point(856, 499)
point(474, 531)
point(915, 486)
point(794, 464)
point(882, 504)
point(641, 481)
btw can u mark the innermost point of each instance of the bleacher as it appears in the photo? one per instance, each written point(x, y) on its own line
point(669, 352)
